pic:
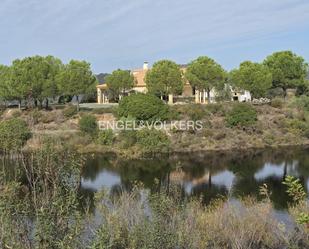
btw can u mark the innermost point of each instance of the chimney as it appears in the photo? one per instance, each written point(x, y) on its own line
point(145, 66)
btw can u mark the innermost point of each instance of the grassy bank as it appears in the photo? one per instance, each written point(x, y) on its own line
point(226, 126)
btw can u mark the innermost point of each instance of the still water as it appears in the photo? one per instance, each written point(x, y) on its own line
point(205, 175)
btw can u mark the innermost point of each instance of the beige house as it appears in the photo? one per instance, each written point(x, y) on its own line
point(188, 90)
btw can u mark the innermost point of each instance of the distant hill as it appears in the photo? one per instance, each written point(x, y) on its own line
point(101, 77)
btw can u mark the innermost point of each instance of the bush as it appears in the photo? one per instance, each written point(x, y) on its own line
point(192, 111)
point(152, 140)
point(216, 108)
point(143, 107)
point(301, 103)
point(70, 111)
point(298, 127)
point(241, 114)
point(128, 138)
point(88, 124)
point(13, 134)
point(277, 103)
point(106, 137)
point(196, 112)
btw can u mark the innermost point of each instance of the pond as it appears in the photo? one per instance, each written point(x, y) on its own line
point(206, 175)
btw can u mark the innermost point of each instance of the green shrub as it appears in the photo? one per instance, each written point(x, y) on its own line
point(277, 102)
point(241, 114)
point(128, 138)
point(13, 134)
point(196, 112)
point(152, 140)
point(192, 111)
point(301, 103)
point(143, 107)
point(88, 124)
point(105, 137)
point(216, 108)
point(70, 111)
point(298, 127)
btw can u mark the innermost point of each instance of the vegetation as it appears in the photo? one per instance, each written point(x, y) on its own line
point(119, 82)
point(188, 224)
point(13, 134)
point(162, 219)
point(128, 138)
point(277, 102)
point(69, 111)
point(164, 78)
point(152, 140)
point(301, 103)
point(253, 77)
point(36, 79)
point(205, 74)
point(47, 196)
point(76, 78)
point(241, 115)
point(288, 69)
point(105, 137)
point(88, 124)
point(143, 107)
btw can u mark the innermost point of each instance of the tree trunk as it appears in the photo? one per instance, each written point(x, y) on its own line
point(208, 95)
point(284, 93)
point(77, 98)
point(46, 103)
point(19, 104)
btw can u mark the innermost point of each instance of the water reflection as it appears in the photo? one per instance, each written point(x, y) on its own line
point(200, 174)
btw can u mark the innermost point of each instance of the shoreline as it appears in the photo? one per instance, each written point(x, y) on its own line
point(130, 154)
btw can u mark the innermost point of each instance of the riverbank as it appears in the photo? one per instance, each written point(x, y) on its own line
point(282, 125)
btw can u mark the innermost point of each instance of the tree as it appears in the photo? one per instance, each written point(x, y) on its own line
point(5, 74)
point(34, 78)
point(53, 68)
point(119, 82)
point(164, 78)
point(288, 69)
point(76, 78)
point(253, 77)
point(20, 83)
point(205, 74)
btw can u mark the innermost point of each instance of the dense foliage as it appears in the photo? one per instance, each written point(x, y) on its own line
point(119, 82)
point(205, 74)
point(13, 134)
point(164, 78)
point(253, 77)
point(88, 124)
point(242, 114)
point(143, 107)
point(36, 79)
point(105, 137)
point(76, 78)
point(152, 140)
point(288, 69)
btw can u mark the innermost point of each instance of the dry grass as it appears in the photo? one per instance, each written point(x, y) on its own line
point(172, 223)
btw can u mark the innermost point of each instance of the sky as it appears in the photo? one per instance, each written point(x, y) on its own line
point(112, 34)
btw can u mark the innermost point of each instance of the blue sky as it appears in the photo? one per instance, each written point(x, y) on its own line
point(113, 34)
